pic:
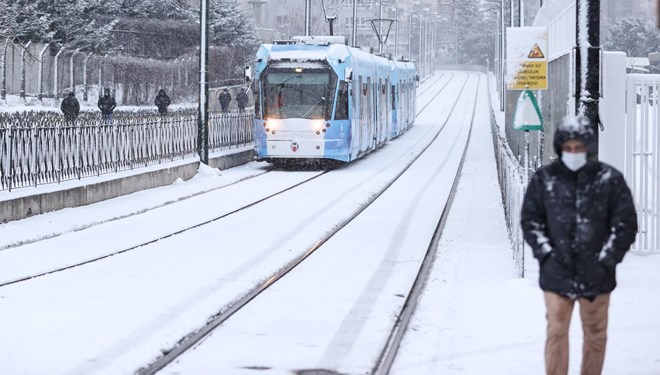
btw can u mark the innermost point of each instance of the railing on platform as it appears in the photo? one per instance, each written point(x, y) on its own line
point(510, 174)
point(642, 156)
point(45, 148)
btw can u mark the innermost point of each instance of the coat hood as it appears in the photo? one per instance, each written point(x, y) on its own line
point(572, 127)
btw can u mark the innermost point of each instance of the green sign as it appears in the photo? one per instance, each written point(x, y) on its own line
point(527, 115)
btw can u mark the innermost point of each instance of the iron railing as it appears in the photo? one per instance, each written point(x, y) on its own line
point(512, 186)
point(45, 148)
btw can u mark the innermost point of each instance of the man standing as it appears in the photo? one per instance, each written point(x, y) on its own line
point(224, 98)
point(162, 101)
point(579, 218)
point(70, 107)
point(242, 100)
point(107, 105)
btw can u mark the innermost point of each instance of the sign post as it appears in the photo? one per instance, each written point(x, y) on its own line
point(527, 69)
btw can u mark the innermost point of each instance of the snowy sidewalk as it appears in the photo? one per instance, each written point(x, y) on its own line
point(477, 317)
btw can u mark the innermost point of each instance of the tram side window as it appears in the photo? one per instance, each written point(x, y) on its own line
point(342, 102)
point(393, 96)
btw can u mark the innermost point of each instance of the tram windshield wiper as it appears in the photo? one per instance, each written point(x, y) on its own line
point(311, 110)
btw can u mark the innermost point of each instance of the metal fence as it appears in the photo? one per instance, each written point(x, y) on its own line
point(45, 148)
point(512, 185)
point(642, 156)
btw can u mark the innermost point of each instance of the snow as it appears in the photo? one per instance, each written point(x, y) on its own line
point(476, 316)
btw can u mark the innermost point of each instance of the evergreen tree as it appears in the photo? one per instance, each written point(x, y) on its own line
point(476, 35)
point(637, 37)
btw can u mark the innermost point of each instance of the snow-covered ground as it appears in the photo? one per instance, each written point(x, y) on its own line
point(476, 316)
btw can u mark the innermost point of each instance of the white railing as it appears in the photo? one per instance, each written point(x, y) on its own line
point(642, 156)
point(512, 186)
point(45, 148)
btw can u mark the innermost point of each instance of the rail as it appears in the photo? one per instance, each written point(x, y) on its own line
point(38, 149)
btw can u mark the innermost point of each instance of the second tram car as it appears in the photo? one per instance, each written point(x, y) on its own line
point(318, 99)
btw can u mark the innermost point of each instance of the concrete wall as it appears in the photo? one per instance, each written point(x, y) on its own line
point(25, 206)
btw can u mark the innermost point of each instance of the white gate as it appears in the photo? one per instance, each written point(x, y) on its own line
point(642, 156)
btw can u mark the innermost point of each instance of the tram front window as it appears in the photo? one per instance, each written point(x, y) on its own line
point(291, 94)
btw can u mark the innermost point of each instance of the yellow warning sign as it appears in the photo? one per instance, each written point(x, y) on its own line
point(536, 53)
point(527, 58)
point(532, 75)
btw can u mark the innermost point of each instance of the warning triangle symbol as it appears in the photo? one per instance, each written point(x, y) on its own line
point(536, 53)
point(527, 114)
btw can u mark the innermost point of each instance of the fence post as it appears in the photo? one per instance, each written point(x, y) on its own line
point(85, 76)
point(33, 137)
point(7, 177)
point(58, 151)
point(40, 79)
point(71, 77)
point(23, 50)
point(56, 94)
point(3, 71)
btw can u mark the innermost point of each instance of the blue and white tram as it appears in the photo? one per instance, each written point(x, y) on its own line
point(318, 99)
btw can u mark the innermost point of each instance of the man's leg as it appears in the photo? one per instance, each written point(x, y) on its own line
point(594, 326)
point(558, 314)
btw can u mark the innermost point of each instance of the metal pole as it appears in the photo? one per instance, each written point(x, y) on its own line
point(308, 16)
point(396, 30)
point(22, 93)
point(380, 28)
point(354, 39)
point(502, 50)
point(55, 73)
point(419, 48)
point(71, 80)
point(3, 72)
point(513, 19)
point(40, 74)
point(521, 9)
point(587, 66)
point(85, 96)
point(203, 112)
point(410, 25)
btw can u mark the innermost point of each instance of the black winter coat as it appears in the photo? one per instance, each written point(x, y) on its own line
point(224, 98)
point(162, 101)
point(70, 107)
point(579, 225)
point(107, 104)
point(241, 99)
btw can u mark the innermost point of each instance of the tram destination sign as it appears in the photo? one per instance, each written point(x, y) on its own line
point(527, 58)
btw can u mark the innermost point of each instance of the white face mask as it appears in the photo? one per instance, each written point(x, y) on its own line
point(574, 161)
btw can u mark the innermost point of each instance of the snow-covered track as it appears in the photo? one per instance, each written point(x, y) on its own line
point(39, 235)
point(388, 354)
point(230, 310)
point(160, 238)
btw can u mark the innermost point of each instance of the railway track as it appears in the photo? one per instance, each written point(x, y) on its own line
point(230, 310)
point(211, 220)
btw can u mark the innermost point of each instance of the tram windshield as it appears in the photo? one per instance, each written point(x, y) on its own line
point(298, 93)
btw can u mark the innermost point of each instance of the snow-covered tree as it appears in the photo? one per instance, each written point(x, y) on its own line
point(476, 35)
point(637, 37)
point(230, 26)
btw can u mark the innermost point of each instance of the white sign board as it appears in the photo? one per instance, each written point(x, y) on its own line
point(527, 58)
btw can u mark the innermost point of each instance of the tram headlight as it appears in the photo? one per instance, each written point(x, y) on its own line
point(272, 124)
point(318, 125)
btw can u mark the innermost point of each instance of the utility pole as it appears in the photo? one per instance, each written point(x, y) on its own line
point(354, 36)
point(308, 16)
point(203, 112)
point(587, 65)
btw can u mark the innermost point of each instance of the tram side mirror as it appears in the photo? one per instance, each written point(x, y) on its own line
point(348, 75)
point(248, 74)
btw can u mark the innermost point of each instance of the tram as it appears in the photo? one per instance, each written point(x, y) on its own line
point(317, 99)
